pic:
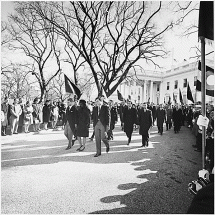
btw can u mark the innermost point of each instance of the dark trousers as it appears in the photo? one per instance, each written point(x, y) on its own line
point(93, 135)
point(176, 127)
point(168, 126)
point(160, 129)
point(129, 134)
point(110, 132)
point(145, 140)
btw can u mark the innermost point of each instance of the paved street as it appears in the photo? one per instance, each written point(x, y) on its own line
point(40, 177)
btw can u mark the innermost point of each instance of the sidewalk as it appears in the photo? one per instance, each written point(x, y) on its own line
point(40, 177)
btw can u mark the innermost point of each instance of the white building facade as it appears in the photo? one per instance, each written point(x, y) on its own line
point(159, 87)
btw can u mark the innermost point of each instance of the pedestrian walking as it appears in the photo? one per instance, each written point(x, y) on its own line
point(15, 111)
point(101, 120)
point(169, 112)
point(129, 119)
point(113, 119)
point(121, 111)
point(145, 122)
point(83, 124)
point(28, 117)
point(176, 116)
point(160, 116)
point(71, 122)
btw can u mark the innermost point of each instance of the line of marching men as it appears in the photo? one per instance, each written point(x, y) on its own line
point(104, 116)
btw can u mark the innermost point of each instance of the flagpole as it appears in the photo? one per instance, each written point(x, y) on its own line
point(203, 93)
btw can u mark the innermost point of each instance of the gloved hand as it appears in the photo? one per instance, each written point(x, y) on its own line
point(202, 173)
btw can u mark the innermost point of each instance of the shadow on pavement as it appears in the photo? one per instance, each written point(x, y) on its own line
point(170, 159)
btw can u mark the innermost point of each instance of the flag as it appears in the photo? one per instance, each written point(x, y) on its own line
point(209, 80)
point(71, 87)
point(189, 93)
point(120, 98)
point(206, 20)
point(169, 102)
point(174, 98)
point(180, 97)
point(102, 92)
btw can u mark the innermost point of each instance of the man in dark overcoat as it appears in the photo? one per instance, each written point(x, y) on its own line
point(145, 122)
point(176, 116)
point(160, 115)
point(71, 122)
point(129, 119)
point(168, 117)
point(121, 111)
point(101, 120)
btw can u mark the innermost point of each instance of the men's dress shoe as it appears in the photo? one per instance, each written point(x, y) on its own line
point(194, 146)
point(96, 155)
point(73, 142)
point(68, 147)
point(107, 149)
point(81, 148)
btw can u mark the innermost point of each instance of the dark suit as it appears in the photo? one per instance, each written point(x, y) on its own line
point(101, 120)
point(160, 115)
point(145, 122)
point(70, 121)
point(129, 119)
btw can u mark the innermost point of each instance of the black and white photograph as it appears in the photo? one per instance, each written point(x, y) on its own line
point(107, 107)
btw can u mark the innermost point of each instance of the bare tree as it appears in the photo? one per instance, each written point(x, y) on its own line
point(38, 41)
point(114, 35)
point(187, 9)
point(16, 81)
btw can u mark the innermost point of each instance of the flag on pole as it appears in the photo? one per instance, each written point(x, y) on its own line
point(169, 102)
point(206, 20)
point(209, 80)
point(174, 98)
point(120, 98)
point(189, 93)
point(102, 92)
point(71, 87)
point(180, 97)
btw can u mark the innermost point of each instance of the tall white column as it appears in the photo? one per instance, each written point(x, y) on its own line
point(151, 92)
point(144, 91)
point(161, 99)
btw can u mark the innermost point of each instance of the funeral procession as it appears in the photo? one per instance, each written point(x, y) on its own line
point(107, 107)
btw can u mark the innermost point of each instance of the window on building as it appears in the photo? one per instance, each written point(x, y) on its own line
point(185, 83)
point(176, 85)
point(158, 88)
point(167, 86)
point(131, 92)
point(138, 90)
point(195, 80)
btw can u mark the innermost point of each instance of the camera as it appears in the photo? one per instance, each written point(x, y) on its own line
point(196, 185)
